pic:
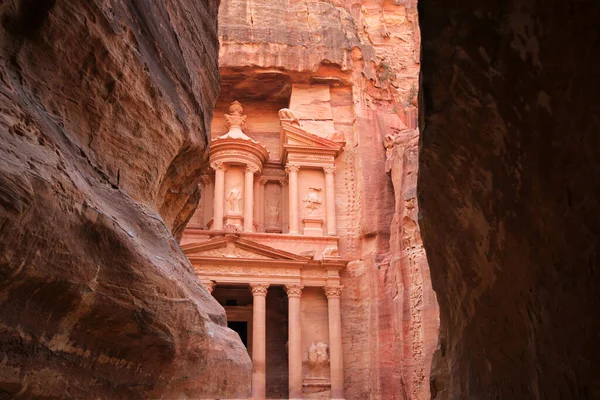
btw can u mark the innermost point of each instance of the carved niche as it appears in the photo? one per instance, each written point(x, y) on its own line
point(273, 207)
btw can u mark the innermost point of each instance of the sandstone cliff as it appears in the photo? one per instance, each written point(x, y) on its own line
point(508, 189)
point(352, 69)
point(103, 106)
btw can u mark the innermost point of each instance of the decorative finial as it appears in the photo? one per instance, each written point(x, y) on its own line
point(236, 108)
point(235, 119)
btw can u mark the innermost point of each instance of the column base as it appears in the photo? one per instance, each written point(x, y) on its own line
point(234, 219)
point(313, 226)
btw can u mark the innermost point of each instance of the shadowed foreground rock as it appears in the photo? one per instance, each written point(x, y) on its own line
point(102, 107)
point(509, 195)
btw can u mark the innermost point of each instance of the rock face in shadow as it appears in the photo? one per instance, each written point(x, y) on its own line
point(509, 195)
point(103, 106)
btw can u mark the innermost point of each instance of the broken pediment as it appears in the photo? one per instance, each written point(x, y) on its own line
point(294, 135)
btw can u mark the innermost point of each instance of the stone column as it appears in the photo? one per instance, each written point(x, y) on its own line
point(205, 179)
point(336, 364)
point(261, 205)
point(209, 285)
point(259, 340)
point(292, 170)
point(330, 200)
point(249, 197)
point(294, 292)
point(219, 195)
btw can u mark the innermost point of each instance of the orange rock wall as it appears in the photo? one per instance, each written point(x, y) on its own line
point(104, 112)
point(349, 69)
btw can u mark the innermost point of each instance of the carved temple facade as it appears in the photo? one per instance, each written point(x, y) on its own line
point(264, 242)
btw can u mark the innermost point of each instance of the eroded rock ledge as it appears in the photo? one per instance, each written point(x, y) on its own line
point(102, 106)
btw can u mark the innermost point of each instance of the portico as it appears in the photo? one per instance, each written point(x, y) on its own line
point(232, 260)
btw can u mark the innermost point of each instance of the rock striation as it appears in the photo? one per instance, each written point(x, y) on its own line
point(103, 107)
point(508, 190)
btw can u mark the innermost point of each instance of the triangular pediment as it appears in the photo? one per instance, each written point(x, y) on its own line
point(234, 247)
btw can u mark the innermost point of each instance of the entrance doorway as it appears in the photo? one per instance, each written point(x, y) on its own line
point(241, 327)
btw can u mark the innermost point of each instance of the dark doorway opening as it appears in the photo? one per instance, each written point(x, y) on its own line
point(241, 327)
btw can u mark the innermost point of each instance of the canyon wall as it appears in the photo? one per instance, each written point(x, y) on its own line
point(509, 195)
point(104, 112)
point(349, 70)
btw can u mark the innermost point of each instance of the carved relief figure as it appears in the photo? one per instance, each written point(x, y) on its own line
point(235, 118)
point(234, 198)
point(285, 114)
point(331, 251)
point(273, 215)
point(318, 358)
point(312, 201)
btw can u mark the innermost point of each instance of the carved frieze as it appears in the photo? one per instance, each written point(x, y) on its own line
point(250, 271)
point(310, 158)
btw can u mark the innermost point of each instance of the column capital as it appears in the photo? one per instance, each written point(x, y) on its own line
point(333, 291)
point(329, 170)
point(251, 168)
point(294, 289)
point(259, 289)
point(209, 285)
point(292, 168)
point(217, 165)
point(263, 181)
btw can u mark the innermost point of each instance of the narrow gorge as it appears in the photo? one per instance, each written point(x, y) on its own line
point(318, 199)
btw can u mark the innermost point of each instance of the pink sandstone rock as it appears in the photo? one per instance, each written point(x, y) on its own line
point(103, 107)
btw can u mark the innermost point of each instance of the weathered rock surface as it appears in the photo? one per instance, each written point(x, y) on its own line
point(103, 105)
point(509, 195)
point(350, 71)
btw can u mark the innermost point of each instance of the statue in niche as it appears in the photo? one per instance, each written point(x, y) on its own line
point(312, 201)
point(318, 358)
point(234, 198)
point(273, 215)
point(235, 118)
